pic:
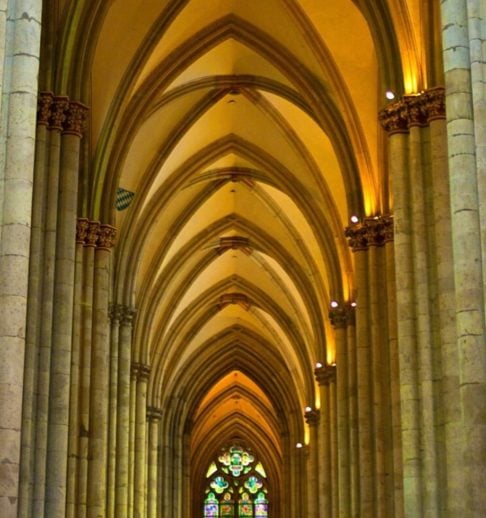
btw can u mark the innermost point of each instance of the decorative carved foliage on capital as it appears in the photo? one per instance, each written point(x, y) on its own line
point(106, 237)
point(57, 112)
point(325, 374)
point(76, 117)
point(414, 110)
point(342, 316)
point(312, 417)
point(367, 232)
point(127, 316)
point(116, 312)
point(95, 234)
point(82, 226)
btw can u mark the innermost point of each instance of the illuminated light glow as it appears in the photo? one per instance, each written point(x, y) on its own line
point(299, 445)
point(354, 219)
point(334, 304)
point(318, 365)
point(353, 304)
point(389, 95)
point(308, 409)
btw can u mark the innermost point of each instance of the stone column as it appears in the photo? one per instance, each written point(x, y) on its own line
point(332, 402)
point(123, 413)
point(324, 374)
point(339, 320)
point(63, 311)
point(153, 415)
point(100, 373)
point(464, 35)
point(143, 372)
point(34, 308)
point(90, 241)
point(74, 398)
point(312, 419)
point(19, 63)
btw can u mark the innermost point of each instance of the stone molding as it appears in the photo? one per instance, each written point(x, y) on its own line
point(375, 231)
point(234, 243)
point(140, 371)
point(342, 316)
point(325, 374)
point(154, 413)
point(57, 112)
point(414, 110)
point(312, 417)
point(95, 234)
point(128, 314)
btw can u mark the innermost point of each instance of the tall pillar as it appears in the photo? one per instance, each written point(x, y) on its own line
point(123, 413)
point(312, 419)
point(464, 35)
point(59, 388)
point(19, 63)
point(153, 415)
point(324, 375)
point(100, 375)
point(143, 372)
point(340, 317)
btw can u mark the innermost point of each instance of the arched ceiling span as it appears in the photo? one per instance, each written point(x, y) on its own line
point(248, 135)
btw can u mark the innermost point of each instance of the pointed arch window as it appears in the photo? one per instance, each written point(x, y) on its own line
point(236, 486)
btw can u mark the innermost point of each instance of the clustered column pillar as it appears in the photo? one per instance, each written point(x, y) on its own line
point(312, 419)
point(431, 428)
point(369, 360)
point(153, 416)
point(325, 376)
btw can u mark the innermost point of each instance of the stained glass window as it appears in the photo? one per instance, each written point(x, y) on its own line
point(236, 485)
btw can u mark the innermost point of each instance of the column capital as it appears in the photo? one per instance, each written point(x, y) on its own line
point(312, 417)
point(342, 316)
point(106, 237)
point(325, 374)
point(140, 371)
point(154, 413)
point(414, 110)
point(116, 312)
point(371, 231)
point(127, 316)
point(82, 226)
point(76, 116)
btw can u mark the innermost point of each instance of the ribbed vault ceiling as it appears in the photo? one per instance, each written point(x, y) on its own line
point(248, 132)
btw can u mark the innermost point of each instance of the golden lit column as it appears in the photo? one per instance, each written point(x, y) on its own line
point(20, 24)
point(74, 400)
point(90, 241)
point(339, 320)
point(34, 305)
point(464, 45)
point(140, 440)
point(395, 121)
point(153, 416)
point(312, 419)
point(359, 245)
point(100, 374)
point(324, 375)
point(56, 116)
point(332, 402)
point(59, 388)
point(123, 413)
point(116, 313)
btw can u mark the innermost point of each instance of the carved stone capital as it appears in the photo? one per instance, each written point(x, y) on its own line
point(106, 237)
point(154, 413)
point(342, 316)
point(82, 226)
point(368, 232)
point(92, 233)
point(325, 374)
point(140, 371)
point(58, 112)
point(435, 104)
point(414, 110)
point(44, 103)
point(76, 117)
point(116, 312)
point(312, 417)
point(127, 316)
